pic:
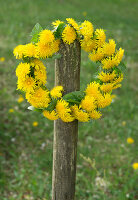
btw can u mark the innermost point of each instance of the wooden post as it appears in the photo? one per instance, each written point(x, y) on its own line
point(67, 74)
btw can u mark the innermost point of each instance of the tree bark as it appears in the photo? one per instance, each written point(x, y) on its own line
point(67, 74)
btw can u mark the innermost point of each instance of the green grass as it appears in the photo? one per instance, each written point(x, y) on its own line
point(26, 151)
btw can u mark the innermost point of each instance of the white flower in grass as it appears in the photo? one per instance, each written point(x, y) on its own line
point(101, 183)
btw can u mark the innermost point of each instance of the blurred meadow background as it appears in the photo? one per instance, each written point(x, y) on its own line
point(105, 169)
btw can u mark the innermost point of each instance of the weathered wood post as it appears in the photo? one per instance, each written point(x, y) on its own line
point(67, 74)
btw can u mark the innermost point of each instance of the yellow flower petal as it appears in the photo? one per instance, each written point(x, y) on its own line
point(130, 140)
point(35, 124)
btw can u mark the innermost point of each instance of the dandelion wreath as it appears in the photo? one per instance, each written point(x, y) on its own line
point(80, 105)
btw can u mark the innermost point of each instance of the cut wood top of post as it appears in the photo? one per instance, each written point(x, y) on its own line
point(45, 44)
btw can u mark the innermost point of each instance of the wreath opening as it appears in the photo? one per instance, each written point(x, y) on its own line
point(80, 105)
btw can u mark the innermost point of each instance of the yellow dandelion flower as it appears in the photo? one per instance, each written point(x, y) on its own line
point(35, 124)
point(135, 166)
point(100, 37)
point(18, 51)
point(36, 62)
point(67, 117)
point(44, 50)
point(95, 114)
point(2, 59)
point(20, 99)
point(87, 45)
point(73, 23)
point(117, 86)
point(39, 98)
point(97, 55)
point(63, 110)
point(46, 37)
point(130, 140)
point(109, 48)
point(26, 84)
point(56, 23)
point(56, 92)
point(68, 35)
point(11, 110)
point(41, 77)
point(105, 77)
point(30, 50)
point(80, 115)
point(62, 107)
point(38, 65)
point(119, 79)
point(22, 70)
point(86, 29)
point(50, 115)
point(55, 46)
point(104, 100)
point(92, 89)
point(112, 61)
point(39, 71)
point(119, 55)
point(88, 103)
point(109, 63)
point(106, 87)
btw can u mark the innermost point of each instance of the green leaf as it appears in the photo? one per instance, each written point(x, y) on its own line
point(35, 33)
point(27, 59)
point(59, 30)
point(43, 87)
point(99, 81)
point(52, 105)
point(74, 97)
